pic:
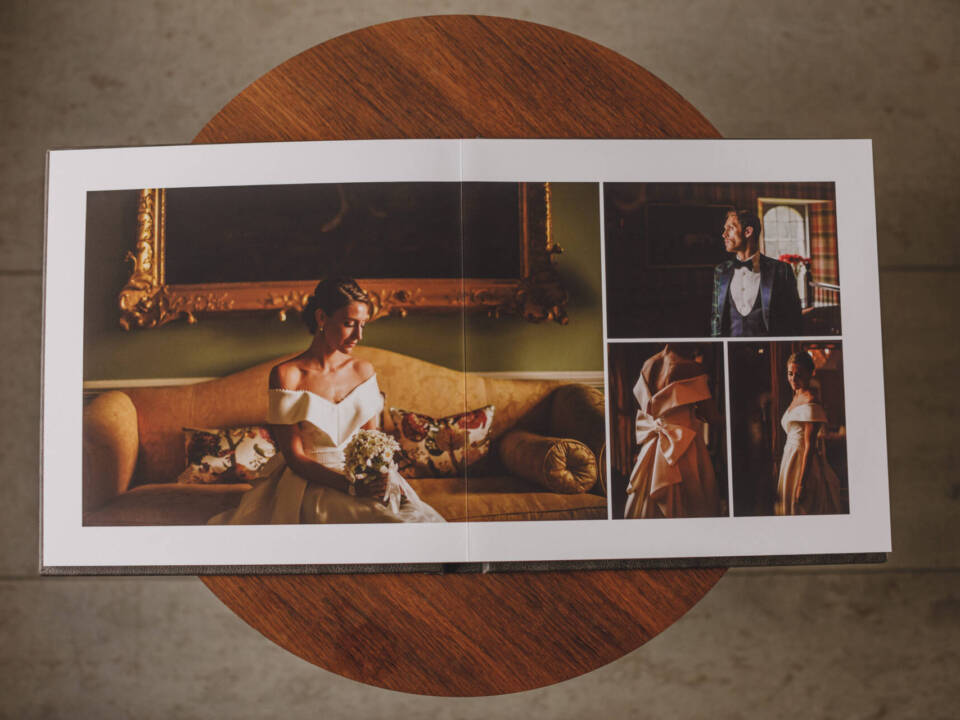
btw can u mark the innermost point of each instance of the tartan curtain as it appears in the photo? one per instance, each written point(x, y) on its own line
point(823, 242)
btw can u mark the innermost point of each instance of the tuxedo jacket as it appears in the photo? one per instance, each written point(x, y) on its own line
point(778, 298)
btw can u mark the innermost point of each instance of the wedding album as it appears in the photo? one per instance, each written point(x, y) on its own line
point(461, 354)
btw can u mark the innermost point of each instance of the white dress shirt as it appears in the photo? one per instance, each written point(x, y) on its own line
point(744, 287)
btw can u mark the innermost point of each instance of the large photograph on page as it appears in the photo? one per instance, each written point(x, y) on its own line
point(343, 354)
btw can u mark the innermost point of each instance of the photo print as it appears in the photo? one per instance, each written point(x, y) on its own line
point(788, 428)
point(721, 259)
point(667, 426)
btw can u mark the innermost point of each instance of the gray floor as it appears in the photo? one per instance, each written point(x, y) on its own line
point(833, 642)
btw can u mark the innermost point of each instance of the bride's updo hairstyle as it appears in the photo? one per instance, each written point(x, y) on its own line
point(802, 360)
point(330, 295)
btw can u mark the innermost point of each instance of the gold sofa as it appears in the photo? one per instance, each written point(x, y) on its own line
point(133, 448)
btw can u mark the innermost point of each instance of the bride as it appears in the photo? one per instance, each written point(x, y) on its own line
point(318, 401)
point(807, 484)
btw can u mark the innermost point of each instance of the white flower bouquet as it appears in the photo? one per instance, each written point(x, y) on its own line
point(370, 453)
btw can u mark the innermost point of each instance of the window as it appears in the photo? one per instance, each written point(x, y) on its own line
point(785, 230)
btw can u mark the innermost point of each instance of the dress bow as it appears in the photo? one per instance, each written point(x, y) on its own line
point(673, 439)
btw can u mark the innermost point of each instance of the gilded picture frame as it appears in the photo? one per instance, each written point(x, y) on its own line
point(537, 295)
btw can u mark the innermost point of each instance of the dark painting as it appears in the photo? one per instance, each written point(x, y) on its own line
point(369, 230)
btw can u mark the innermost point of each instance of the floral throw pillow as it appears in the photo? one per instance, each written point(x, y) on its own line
point(441, 447)
point(232, 455)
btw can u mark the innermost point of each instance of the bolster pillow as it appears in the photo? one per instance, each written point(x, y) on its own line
point(558, 464)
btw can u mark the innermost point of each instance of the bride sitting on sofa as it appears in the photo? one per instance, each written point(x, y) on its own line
point(318, 401)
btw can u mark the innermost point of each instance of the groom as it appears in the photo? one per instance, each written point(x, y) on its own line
point(753, 295)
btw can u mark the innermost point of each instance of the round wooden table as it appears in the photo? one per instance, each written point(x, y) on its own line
point(460, 77)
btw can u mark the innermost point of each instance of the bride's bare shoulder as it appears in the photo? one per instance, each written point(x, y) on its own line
point(363, 369)
point(286, 375)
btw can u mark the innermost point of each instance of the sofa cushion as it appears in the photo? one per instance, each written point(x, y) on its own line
point(229, 455)
point(495, 498)
point(560, 465)
point(167, 504)
point(442, 447)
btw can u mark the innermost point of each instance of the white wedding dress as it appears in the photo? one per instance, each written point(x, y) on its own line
point(673, 476)
point(821, 488)
point(283, 497)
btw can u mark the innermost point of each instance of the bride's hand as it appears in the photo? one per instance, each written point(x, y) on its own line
point(374, 486)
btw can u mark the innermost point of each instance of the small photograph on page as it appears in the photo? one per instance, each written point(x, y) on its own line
point(788, 428)
point(668, 435)
point(721, 260)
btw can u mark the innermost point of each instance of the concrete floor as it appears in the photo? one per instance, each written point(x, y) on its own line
point(849, 642)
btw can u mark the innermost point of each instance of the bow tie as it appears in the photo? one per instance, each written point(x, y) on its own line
point(737, 264)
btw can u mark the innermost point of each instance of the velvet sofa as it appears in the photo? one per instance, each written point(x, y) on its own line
point(545, 436)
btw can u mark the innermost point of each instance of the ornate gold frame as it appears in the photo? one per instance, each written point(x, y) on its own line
point(146, 301)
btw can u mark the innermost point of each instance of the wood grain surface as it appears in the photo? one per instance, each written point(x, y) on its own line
point(452, 77)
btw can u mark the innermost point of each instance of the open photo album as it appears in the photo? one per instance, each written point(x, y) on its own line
point(415, 354)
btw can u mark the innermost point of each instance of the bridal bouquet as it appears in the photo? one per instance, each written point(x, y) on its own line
point(369, 453)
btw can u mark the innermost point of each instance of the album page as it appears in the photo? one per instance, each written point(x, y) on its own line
point(477, 354)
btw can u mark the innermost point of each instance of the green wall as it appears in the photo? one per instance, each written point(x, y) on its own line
point(218, 345)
